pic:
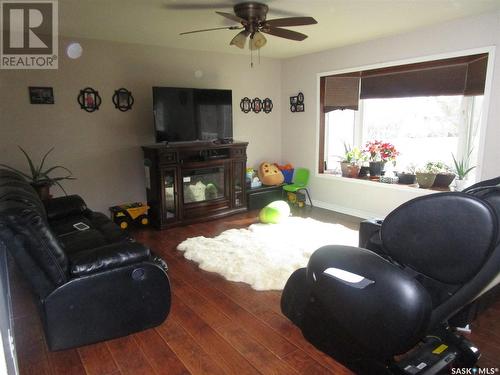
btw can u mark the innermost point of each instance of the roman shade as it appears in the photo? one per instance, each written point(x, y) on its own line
point(457, 76)
point(341, 92)
point(464, 75)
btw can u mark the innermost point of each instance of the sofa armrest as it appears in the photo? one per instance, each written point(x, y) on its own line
point(59, 208)
point(369, 235)
point(106, 305)
point(107, 257)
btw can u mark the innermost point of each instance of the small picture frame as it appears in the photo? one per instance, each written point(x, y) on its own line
point(41, 95)
point(123, 99)
point(89, 99)
point(256, 105)
point(267, 105)
point(297, 103)
point(246, 105)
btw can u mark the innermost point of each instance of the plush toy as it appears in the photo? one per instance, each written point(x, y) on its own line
point(269, 174)
point(196, 192)
point(211, 191)
point(274, 212)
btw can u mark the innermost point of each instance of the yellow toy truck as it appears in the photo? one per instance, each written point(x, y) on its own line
point(128, 214)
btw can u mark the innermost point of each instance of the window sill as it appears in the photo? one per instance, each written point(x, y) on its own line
point(374, 183)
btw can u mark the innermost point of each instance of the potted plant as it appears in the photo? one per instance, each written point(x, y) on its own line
point(462, 169)
point(349, 165)
point(39, 177)
point(426, 175)
point(444, 177)
point(408, 176)
point(379, 153)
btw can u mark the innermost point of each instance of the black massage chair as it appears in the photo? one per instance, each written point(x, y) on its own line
point(390, 309)
point(92, 281)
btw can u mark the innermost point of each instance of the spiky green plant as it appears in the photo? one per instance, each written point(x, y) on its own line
point(462, 167)
point(40, 177)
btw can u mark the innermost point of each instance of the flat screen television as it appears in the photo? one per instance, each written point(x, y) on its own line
point(183, 114)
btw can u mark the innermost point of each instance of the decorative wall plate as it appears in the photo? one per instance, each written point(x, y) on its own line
point(246, 105)
point(256, 105)
point(123, 99)
point(267, 105)
point(89, 99)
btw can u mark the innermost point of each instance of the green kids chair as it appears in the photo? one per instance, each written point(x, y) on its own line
point(300, 181)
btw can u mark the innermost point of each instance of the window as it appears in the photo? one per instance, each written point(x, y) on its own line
point(425, 119)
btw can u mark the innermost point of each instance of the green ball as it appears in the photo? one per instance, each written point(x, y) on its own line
point(274, 212)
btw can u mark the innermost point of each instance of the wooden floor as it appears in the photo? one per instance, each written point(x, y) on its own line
point(215, 326)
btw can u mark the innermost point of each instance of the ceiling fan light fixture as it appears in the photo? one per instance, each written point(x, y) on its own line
point(257, 41)
point(240, 39)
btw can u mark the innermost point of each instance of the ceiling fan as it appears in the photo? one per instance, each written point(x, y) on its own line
point(251, 17)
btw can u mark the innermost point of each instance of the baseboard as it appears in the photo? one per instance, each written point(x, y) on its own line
point(345, 210)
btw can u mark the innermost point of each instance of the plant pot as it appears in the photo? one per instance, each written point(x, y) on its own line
point(406, 178)
point(349, 170)
point(364, 172)
point(443, 180)
point(460, 185)
point(43, 191)
point(376, 168)
point(425, 180)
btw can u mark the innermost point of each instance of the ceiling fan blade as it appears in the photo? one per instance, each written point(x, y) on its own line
point(232, 17)
point(284, 33)
point(214, 28)
point(240, 39)
point(197, 6)
point(291, 21)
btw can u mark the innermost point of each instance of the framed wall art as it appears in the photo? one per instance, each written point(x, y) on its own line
point(41, 95)
point(89, 99)
point(267, 105)
point(256, 105)
point(123, 99)
point(297, 103)
point(246, 105)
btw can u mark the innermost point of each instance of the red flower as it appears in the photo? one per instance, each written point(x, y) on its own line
point(383, 151)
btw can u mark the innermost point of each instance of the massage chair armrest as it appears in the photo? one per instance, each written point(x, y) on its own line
point(357, 297)
point(59, 208)
point(105, 305)
point(107, 257)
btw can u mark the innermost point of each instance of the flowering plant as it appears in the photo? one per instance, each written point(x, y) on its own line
point(381, 151)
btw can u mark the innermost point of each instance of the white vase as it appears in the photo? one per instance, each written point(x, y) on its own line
point(460, 185)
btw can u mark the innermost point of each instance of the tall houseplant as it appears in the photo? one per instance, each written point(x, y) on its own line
point(39, 177)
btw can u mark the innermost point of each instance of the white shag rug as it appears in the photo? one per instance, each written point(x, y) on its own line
point(265, 255)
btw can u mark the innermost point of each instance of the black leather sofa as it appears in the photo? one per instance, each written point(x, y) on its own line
point(91, 285)
point(389, 308)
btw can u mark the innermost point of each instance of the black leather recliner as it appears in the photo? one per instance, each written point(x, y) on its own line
point(93, 284)
point(434, 255)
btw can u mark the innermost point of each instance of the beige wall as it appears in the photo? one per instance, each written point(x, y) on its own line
point(103, 148)
point(300, 129)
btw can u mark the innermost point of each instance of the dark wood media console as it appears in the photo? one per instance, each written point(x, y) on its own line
point(195, 181)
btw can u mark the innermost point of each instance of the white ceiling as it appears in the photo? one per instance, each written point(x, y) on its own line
point(340, 22)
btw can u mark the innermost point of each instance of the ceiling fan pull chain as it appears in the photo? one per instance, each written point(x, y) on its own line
point(258, 51)
point(251, 58)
